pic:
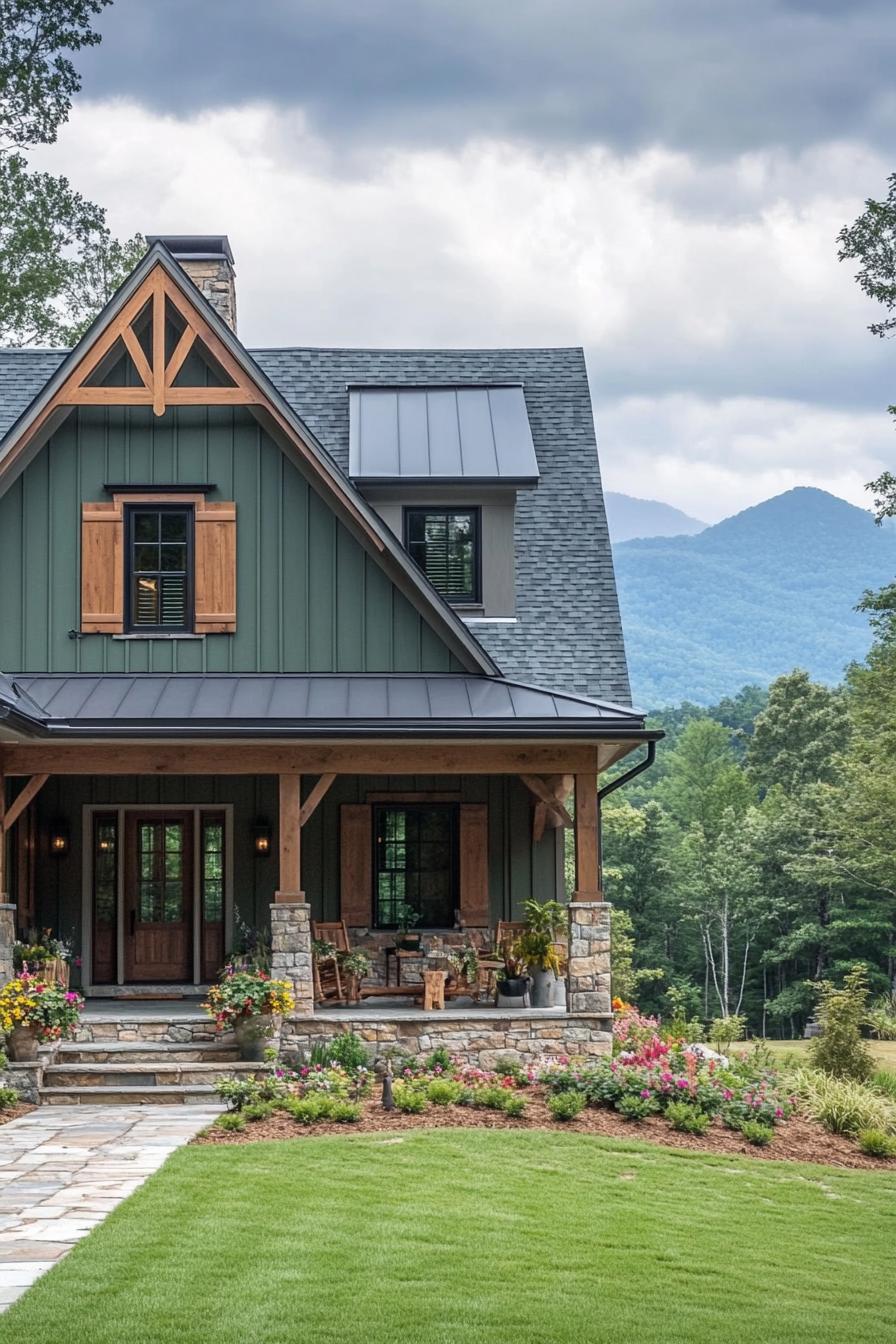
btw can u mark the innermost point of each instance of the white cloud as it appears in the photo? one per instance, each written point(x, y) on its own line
point(726, 345)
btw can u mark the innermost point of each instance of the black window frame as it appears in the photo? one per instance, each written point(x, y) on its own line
point(452, 811)
point(412, 511)
point(131, 626)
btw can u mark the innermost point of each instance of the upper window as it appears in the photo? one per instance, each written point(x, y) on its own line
point(445, 544)
point(416, 864)
point(159, 568)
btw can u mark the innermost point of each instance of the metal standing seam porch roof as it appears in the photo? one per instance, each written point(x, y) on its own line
point(313, 705)
point(454, 433)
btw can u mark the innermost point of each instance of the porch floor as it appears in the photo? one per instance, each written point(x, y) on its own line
point(383, 1010)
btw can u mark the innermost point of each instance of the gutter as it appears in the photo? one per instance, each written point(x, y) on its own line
point(379, 730)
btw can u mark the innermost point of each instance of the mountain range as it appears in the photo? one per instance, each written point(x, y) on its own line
point(629, 517)
point(772, 588)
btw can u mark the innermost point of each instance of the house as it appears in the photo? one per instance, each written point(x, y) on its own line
point(294, 634)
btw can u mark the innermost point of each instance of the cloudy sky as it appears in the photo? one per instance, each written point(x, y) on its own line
point(660, 181)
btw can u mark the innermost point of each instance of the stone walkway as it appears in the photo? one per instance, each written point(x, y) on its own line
point(64, 1168)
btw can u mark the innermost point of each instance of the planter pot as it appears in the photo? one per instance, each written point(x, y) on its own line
point(22, 1044)
point(543, 983)
point(252, 1035)
point(514, 988)
point(410, 943)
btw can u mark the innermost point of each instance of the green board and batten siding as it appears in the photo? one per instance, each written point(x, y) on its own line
point(518, 868)
point(309, 598)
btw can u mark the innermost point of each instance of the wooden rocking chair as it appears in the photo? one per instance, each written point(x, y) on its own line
point(335, 932)
point(327, 980)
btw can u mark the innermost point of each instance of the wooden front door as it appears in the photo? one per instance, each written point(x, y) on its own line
point(158, 898)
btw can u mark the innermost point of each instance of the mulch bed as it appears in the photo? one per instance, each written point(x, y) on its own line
point(14, 1112)
point(796, 1140)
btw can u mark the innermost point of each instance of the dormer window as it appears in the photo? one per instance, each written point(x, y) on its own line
point(159, 568)
point(445, 544)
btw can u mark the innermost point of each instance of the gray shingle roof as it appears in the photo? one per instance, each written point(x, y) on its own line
point(567, 630)
point(308, 704)
point(440, 434)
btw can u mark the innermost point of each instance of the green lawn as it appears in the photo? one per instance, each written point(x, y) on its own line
point(477, 1237)
point(883, 1051)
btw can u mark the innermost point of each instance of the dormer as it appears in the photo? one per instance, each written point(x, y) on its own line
point(442, 466)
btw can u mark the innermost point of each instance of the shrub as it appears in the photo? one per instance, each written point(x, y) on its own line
point(439, 1061)
point(258, 1110)
point(566, 1105)
point(409, 1099)
point(724, 1031)
point(686, 1118)
point(754, 1131)
point(242, 1092)
point(881, 1018)
point(318, 1108)
point(231, 1120)
point(514, 1105)
point(442, 1092)
point(8, 1097)
point(875, 1143)
point(843, 1106)
point(635, 1108)
point(348, 1050)
point(884, 1081)
point(840, 1050)
point(344, 1112)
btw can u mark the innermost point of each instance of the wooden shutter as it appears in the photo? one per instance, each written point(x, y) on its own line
point(215, 561)
point(356, 864)
point(474, 899)
point(102, 569)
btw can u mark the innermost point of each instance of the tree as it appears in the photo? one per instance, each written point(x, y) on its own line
point(798, 735)
point(58, 260)
point(703, 779)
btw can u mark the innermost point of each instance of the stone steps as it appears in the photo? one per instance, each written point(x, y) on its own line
point(143, 1075)
point(147, 1052)
point(195, 1094)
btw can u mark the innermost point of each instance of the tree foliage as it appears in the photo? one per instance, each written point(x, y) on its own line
point(59, 262)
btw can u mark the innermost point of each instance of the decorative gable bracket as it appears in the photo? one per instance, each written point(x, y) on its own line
point(157, 330)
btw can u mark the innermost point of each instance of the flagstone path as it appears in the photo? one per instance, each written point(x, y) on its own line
point(64, 1168)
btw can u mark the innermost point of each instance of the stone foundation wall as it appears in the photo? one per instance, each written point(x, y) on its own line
point(7, 938)
point(25, 1078)
point(291, 951)
point(589, 957)
point(477, 1040)
point(175, 1031)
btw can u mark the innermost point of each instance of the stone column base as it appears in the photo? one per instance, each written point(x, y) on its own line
point(7, 938)
point(589, 957)
point(291, 948)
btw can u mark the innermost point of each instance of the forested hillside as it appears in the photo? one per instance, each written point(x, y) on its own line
point(756, 857)
point(772, 588)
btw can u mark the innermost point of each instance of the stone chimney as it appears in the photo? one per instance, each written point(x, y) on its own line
point(208, 261)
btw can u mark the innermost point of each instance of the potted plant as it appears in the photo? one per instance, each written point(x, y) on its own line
point(354, 966)
point(545, 923)
point(515, 983)
point(464, 963)
point(405, 918)
point(43, 955)
point(35, 1012)
point(247, 1002)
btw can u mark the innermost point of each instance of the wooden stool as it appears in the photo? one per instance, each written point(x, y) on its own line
point(433, 990)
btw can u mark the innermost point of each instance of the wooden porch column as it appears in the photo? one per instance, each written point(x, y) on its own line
point(2, 836)
point(289, 887)
point(587, 839)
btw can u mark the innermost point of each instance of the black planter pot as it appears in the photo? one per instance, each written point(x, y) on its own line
point(410, 943)
point(515, 987)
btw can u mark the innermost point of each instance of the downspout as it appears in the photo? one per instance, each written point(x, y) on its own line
point(607, 789)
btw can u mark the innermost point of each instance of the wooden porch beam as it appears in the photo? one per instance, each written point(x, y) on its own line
point(547, 796)
point(238, 758)
point(22, 800)
point(290, 884)
point(316, 796)
point(587, 839)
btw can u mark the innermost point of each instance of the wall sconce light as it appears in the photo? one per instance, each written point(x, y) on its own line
point(59, 839)
point(262, 833)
